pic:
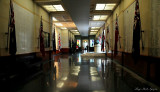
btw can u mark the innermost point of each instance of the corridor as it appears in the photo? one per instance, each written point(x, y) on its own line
point(80, 45)
point(76, 74)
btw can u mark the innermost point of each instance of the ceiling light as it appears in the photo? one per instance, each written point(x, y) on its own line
point(100, 6)
point(49, 7)
point(74, 30)
point(63, 28)
point(100, 17)
point(58, 24)
point(103, 17)
point(54, 19)
point(105, 6)
point(109, 6)
point(58, 7)
point(96, 17)
point(53, 7)
point(95, 27)
point(94, 30)
point(93, 33)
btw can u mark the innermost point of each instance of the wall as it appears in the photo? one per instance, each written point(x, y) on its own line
point(154, 40)
point(125, 12)
point(99, 34)
point(65, 39)
point(58, 34)
point(85, 38)
point(71, 37)
point(27, 24)
point(146, 65)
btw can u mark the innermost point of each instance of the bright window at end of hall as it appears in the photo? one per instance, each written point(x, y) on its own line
point(91, 42)
point(79, 42)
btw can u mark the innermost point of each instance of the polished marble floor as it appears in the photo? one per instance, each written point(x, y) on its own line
point(71, 73)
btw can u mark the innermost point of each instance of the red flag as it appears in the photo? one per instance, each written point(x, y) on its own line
point(42, 39)
point(103, 38)
point(136, 31)
point(116, 36)
point(12, 43)
point(59, 42)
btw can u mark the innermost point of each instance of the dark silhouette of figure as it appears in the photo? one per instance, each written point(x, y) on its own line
point(87, 48)
point(77, 48)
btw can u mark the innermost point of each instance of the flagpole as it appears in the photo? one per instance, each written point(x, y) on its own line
point(119, 41)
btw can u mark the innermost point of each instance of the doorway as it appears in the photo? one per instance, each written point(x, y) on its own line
point(85, 43)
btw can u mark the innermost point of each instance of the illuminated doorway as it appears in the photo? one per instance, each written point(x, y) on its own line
point(85, 43)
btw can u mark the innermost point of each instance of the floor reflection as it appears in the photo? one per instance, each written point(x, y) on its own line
point(76, 74)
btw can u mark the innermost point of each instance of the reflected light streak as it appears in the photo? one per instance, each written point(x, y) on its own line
point(93, 71)
point(94, 78)
point(64, 78)
point(76, 70)
point(60, 85)
point(57, 69)
point(99, 64)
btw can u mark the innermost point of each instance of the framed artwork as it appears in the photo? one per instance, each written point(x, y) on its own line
point(91, 42)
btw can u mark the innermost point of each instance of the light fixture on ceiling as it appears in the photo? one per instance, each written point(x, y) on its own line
point(74, 30)
point(100, 6)
point(93, 33)
point(52, 8)
point(100, 17)
point(105, 6)
point(49, 8)
point(58, 7)
point(94, 30)
point(58, 24)
point(63, 28)
point(95, 27)
point(54, 19)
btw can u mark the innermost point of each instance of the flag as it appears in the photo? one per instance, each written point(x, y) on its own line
point(136, 32)
point(54, 39)
point(59, 43)
point(12, 42)
point(42, 39)
point(103, 38)
point(116, 36)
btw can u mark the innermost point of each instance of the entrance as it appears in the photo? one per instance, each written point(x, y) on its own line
point(85, 43)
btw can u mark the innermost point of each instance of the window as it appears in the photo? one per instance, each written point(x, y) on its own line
point(79, 42)
point(91, 42)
